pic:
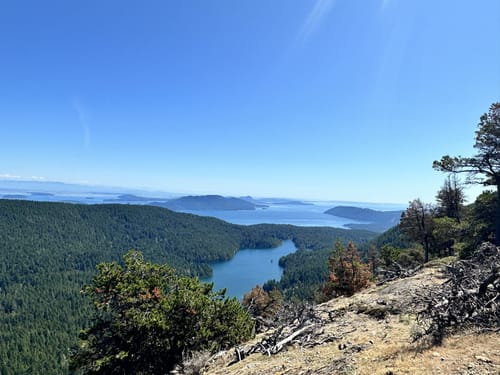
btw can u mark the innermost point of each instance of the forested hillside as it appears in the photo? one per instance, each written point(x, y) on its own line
point(50, 250)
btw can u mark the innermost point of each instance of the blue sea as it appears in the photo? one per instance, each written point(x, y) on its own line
point(308, 215)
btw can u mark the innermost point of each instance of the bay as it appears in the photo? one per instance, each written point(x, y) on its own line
point(248, 268)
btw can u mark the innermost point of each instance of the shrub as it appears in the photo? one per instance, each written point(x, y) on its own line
point(147, 318)
point(348, 274)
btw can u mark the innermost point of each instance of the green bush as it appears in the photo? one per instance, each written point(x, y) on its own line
point(147, 318)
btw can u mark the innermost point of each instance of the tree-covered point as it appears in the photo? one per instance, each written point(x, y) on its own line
point(50, 250)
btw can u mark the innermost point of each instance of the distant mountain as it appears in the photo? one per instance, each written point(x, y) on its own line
point(206, 202)
point(377, 221)
point(15, 196)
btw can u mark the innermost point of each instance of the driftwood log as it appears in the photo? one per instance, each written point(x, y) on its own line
point(469, 298)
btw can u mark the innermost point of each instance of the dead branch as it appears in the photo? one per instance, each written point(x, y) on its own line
point(469, 298)
point(299, 325)
point(395, 271)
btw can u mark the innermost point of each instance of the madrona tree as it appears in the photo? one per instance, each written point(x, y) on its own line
point(484, 167)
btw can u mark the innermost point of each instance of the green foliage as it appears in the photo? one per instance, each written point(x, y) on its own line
point(417, 223)
point(392, 237)
point(480, 224)
point(447, 234)
point(148, 317)
point(404, 257)
point(389, 254)
point(484, 167)
point(450, 199)
point(348, 274)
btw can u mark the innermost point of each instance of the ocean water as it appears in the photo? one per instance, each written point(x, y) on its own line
point(300, 215)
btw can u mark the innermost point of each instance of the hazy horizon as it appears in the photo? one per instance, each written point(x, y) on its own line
point(85, 188)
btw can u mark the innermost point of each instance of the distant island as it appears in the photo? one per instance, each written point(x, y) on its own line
point(41, 194)
point(125, 198)
point(14, 196)
point(376, 221)
point(206, 202)
point(292, 202)
point(190, 202)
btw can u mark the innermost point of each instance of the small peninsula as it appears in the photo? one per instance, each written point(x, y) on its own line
point(376, 221)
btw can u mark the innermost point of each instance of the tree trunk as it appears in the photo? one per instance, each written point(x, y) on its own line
point(497, 218)
point(426, 250)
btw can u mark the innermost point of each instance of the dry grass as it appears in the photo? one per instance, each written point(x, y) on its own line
point(385, 343)
point(464, 354)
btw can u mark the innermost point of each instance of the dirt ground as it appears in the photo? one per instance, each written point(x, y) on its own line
point(374, 330)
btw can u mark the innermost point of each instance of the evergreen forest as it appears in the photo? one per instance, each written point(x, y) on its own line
point(50, 251)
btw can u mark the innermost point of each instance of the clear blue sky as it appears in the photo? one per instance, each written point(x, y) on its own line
point(326, 99)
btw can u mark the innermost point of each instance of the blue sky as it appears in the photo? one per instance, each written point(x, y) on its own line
point(325, 99)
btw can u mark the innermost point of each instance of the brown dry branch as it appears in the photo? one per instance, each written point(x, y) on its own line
point(470, 298)
point(395, 271)
point(298, 325)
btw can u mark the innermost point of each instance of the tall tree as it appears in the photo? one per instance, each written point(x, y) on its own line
point(484, 167)
point(450, 198)
point(417, 224)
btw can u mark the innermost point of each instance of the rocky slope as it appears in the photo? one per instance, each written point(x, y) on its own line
point(371, 333)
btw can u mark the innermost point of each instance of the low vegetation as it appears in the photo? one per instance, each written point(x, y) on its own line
point(147, 318)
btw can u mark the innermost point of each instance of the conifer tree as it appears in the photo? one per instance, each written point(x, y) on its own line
point(484, 167)
point(347, 273)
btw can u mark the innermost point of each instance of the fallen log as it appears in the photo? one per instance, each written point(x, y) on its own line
point(279, 346)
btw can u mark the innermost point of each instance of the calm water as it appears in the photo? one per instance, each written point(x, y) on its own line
point(300, 215)
point(248, 268)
